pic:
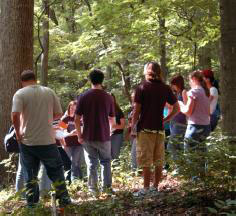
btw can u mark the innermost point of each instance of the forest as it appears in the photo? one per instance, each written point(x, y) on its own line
point(63, 40)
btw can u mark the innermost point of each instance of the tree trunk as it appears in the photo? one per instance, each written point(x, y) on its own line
point(204, 58)
point(45, 43)
point(124, 81)
point(16, 54)
point(163, 48)
point(228, 70)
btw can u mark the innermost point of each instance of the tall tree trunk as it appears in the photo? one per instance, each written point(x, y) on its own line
point(16, 54)
point(124, 80)
point(204, 57)
point(163, 48)
point(228, 70)
point(45, 43)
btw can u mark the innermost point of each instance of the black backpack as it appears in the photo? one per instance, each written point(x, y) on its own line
point(10, 142)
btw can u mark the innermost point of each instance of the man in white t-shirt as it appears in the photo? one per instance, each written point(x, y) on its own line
point(34, 108)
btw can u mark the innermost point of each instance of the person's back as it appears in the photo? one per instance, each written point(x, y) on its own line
point(37, 114)
point(96, 109)
point(149, 101)
point(200, 114)
point(96, 105)
point(33, 110)
point(153, 95)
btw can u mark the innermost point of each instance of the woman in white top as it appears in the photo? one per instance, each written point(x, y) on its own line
point(214, 94)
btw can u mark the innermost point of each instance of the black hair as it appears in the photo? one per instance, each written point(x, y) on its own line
point(96, 76)
point(27, 75)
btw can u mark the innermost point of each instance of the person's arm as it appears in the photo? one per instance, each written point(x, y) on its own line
point(78, 128)
point(174, 111)
point(187, 109)
point(121, 125)
point(57, 115)
point(135, 116)
point(112, 122)
point(15, 117)
point(184, 96)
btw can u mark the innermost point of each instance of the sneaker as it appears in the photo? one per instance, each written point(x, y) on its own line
point(141, 193)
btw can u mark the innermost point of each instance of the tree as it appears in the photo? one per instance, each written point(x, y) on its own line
point(228, 70)
point(45, 45)
point(16, 54)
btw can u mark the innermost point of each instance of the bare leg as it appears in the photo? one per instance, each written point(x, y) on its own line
point(158, 175)
point(146, 176)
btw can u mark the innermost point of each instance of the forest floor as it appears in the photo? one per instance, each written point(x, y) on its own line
point(170, 200)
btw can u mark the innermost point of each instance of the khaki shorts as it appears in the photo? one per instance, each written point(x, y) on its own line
point(150, 149)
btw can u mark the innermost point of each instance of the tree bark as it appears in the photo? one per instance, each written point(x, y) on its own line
point(45, 43)
point(124, 80)
point(204, 58)
point(228, 70)
point(16, 54)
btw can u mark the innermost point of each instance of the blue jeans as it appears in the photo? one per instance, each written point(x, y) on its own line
point(44, 181)
point(51, 159)
point(214, 121)
point(116, 144)
point(133, 153)
point(66, 163)
point(194, 141)
point(94, 152)
point(76, 155)
point(20, 176)
point(175, 144)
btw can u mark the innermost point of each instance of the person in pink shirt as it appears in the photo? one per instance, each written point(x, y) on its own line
point(197, 110)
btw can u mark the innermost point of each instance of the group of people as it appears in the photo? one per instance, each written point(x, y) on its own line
point(94, 126)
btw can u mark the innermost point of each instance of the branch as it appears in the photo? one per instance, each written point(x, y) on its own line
point(89, 7)
point(118, 64)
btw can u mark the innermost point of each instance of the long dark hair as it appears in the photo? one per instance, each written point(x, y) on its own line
point(210, 75)
point(178, 80)
point(117, 107)
point(198, 75)
point(156, 68)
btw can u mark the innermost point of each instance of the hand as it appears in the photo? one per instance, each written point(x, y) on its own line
point(80, 139)
point(18, 137)
point(165, 120)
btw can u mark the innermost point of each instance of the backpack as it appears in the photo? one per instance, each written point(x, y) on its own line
point(10, 142)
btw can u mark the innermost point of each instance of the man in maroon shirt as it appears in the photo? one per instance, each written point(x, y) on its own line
point(96, 108)
point(149, 101)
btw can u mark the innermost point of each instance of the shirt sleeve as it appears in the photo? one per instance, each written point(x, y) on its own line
point(213, 92)
point(64, 119)
point(79, 106)
point(171, 98)
point(56, 105)
point(192, 93)
point(17, 103)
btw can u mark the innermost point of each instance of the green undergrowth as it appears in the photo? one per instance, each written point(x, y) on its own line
point(178, 195)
